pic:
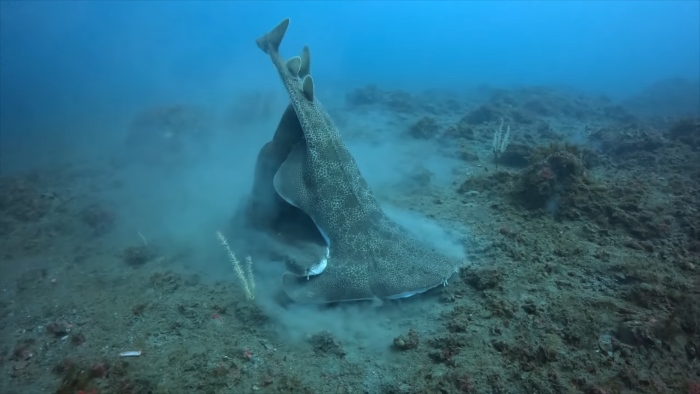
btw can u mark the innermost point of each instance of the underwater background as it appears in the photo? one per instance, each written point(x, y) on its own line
point(553, 148)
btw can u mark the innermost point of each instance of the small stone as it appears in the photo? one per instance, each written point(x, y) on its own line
point(407, 342)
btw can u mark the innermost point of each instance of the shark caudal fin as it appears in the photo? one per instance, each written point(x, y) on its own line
point(271, 40)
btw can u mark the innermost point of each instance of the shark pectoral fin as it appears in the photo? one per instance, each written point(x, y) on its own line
point(303, 290)
point(308, 88)
point(294, 65)
point(335, 284)
point(423, 269)
point(289, 179)
point(305, 57)
point(289, 131)
point(263, 204)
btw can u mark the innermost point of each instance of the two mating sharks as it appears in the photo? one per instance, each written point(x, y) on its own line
point(307, 168)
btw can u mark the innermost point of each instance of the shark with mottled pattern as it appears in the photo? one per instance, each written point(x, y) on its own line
point(369, 256)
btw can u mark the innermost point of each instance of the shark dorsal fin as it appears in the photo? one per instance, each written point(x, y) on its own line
point(294, 65)
point(308, 88)
point(305, 57)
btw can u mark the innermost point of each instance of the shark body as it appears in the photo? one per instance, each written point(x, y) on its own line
point(308, 166)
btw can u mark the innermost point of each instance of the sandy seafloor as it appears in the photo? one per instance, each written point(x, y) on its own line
point(580, 248)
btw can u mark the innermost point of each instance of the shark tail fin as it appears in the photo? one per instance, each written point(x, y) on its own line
point(271, 40)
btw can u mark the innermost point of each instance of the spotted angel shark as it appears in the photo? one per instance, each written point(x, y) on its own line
point(307, 167)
